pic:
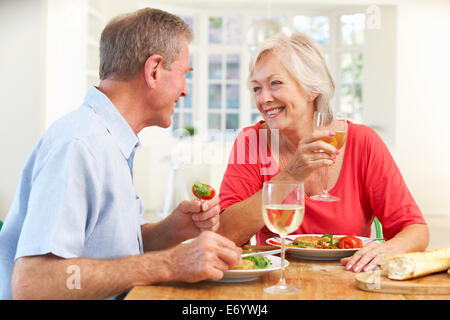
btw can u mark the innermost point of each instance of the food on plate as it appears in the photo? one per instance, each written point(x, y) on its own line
point(350, 242)
point(245, 265)
point(415, 264)
point(253, 263)
point(203, 191)
point(316, 241)
point(326, 241)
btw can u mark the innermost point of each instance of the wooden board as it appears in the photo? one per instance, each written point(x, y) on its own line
point(438, 283)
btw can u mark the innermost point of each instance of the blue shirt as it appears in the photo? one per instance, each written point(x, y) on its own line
point(76, 196)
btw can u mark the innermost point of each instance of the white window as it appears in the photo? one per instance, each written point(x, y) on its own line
point(349, 89)
point(341, 38)
point(182, 119)
point(218, 93)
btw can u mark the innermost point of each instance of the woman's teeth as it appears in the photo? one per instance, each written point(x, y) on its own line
point(271, 112)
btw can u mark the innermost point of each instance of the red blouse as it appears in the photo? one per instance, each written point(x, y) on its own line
point(370, 185)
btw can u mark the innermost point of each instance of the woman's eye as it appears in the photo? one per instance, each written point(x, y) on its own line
point(275, 82)
point(256, 89)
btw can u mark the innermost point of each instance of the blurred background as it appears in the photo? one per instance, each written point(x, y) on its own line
point(389, 59)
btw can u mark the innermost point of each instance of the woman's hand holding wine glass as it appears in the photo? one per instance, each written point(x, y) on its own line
point(311, 153)
point(336, 123)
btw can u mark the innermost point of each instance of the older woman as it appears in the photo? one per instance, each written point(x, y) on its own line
point(289, 80)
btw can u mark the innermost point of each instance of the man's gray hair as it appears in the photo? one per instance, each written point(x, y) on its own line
point(129, 39)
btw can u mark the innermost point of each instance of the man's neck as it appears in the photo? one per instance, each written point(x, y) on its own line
point(125, 96)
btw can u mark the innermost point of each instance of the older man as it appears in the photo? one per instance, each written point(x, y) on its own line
point(74, 229)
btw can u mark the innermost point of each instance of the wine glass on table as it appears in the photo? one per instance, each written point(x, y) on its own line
point(334, 122)
point(283, 207)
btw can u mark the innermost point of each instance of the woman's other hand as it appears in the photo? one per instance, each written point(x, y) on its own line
point(412, 238)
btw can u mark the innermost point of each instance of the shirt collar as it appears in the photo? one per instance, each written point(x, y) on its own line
point(116, 125)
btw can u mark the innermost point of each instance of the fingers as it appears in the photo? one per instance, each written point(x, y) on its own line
point(318, 147)
point(219, 240)
point(225, 249)
point(230, 257)
point(365, 259)
point(315, 159)
point(208, 219)
point(219, 255)
point(207, 257)
point(189, 206)
point(210, 212)
point(317, 151)
point(211, 224)
point(210, 203)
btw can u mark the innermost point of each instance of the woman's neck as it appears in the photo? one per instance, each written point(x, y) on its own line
point(289, 139)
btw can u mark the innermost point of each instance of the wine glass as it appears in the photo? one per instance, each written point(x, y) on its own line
point(283, 207)
point(337, 123)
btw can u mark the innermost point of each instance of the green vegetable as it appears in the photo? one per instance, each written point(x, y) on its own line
point(302, 244)
point(329, 236)
point(201, 189)
point(259, 262)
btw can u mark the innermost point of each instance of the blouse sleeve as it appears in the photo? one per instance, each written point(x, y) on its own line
point(387, 193)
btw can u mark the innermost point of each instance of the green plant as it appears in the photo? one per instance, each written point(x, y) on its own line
point(190, 131)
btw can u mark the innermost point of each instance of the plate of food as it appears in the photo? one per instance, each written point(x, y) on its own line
point(321, 246)
point(252, 268)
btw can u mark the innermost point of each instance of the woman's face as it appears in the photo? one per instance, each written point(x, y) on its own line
point(282, 102)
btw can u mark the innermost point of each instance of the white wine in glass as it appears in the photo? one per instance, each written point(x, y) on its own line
point(283, 207)
point(337, 123)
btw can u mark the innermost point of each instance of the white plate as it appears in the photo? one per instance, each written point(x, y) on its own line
point(250, 275)
point(317, 254)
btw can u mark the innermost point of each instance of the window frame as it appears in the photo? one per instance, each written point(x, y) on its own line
point(200, 49)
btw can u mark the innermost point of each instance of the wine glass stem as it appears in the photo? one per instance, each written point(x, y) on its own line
point(325, 182)
point(282, 282)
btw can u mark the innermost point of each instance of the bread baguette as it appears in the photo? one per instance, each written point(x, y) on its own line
point(415, 264)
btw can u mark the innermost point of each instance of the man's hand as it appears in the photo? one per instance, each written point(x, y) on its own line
point(190, 218)
point(187, 221)
point(206, 257)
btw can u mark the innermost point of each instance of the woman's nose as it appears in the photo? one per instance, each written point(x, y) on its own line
point(266, 96)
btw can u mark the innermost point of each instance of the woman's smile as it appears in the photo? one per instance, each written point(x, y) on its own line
point(274, 111)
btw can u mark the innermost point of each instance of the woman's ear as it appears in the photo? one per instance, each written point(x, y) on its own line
point(152, 68)
point(313, 96)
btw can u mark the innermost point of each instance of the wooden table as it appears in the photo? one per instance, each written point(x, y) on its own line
point(318, 280)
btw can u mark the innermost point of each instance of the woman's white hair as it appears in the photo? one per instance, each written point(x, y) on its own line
point(302, 58)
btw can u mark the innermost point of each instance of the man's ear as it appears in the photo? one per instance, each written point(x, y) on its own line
point(152, 68)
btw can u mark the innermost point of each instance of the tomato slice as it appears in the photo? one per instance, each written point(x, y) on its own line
point(350, 242)
point(207, 195)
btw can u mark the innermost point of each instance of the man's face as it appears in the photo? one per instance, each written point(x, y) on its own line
point(171, 86)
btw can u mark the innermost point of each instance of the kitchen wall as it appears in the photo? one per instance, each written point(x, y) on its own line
point(21, 89)
point(422, 102)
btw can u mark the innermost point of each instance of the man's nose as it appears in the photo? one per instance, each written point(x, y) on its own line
point(185, 91)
